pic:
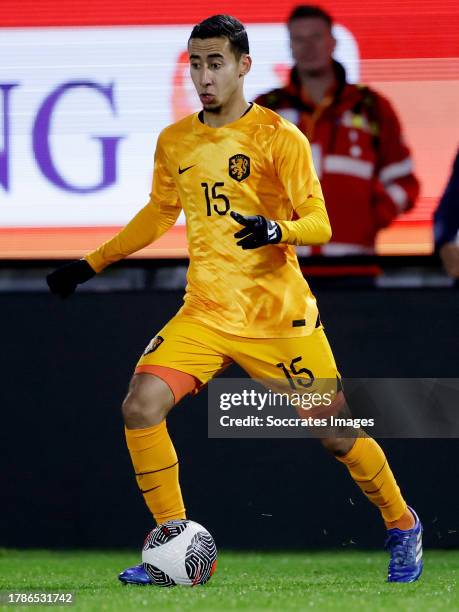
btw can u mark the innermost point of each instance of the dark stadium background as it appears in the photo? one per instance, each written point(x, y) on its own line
point(66, 474)
point(66, 478)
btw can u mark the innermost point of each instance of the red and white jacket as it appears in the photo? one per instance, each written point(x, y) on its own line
point(364, 166)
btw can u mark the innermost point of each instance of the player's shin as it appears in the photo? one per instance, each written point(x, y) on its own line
point(368, 466)
point(157, 471)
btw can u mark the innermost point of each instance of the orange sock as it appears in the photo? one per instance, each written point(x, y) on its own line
point(156, 467)
point(406, 521)
point(367, 464)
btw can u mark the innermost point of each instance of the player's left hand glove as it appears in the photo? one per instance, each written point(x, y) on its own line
point(257, 231)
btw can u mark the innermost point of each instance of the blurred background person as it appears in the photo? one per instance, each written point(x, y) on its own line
point(446, 224)
point(364, 165)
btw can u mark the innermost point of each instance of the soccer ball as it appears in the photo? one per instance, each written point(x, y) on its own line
point(179, 552)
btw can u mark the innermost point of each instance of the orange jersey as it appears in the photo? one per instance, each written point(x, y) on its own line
point(258, 165)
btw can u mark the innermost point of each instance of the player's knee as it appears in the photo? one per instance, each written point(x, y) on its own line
point(338, 446)
point(139, 413)
point(147, 403)
point(132, 409)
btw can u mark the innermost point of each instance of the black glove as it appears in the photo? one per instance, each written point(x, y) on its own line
point(65, 279)
point(257, 231)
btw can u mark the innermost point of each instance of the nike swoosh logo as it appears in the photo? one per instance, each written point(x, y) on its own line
point(182, 170)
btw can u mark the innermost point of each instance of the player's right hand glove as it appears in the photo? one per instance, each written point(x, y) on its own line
point(65, 279)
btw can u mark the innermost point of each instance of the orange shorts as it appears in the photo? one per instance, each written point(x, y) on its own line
point(186, 354)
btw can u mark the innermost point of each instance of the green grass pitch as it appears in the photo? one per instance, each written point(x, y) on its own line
point(344, 580)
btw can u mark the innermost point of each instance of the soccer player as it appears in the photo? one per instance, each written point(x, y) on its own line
point(246, 182)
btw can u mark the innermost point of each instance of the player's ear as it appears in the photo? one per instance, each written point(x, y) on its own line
point(245, 64)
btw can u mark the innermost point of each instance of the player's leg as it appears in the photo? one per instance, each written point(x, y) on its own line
point(363, 456)
point(155, 462)
point(178, 361)
point(369, 468)
point(153, 455)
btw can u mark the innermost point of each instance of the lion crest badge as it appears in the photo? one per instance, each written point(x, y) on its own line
point(153, 344)
point(239, 167)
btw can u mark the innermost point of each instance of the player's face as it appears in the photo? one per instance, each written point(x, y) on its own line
point(216, 72)
point(312, 44)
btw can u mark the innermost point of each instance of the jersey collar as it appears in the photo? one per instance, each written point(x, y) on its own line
point(199, 123)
